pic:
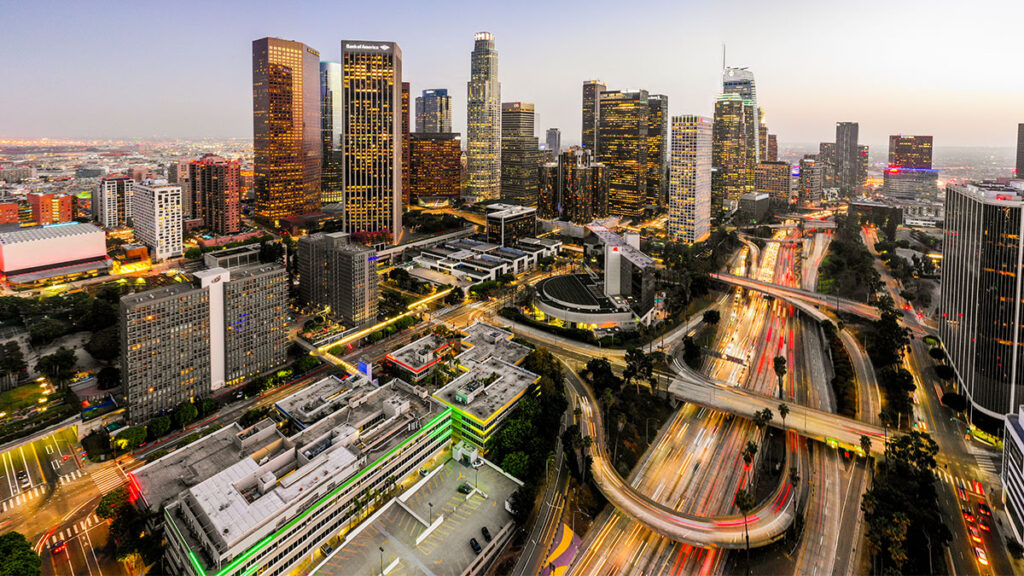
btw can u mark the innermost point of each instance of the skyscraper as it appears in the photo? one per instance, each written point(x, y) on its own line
point(740, 81)
point(909, 176)
point(553, 142)
point(592, 90)
point(773, 179)
point(434, 111)
point(810, 184)
point(520, 154)
point(848, 161)
point(1019, 172)
point(435, 168)
point(405, 146)
point(483, 121)
point(910, 151)
point(331, 122)
point(573, 189)
point(622, 147)
point(287, 142)
point(689, 184)
point(657, 150)
point(733, 151)
point(112, 202)
point(773, 149)
point(339, 274)
point(214, 188)
point(372, 136)
point(982, 294)
point(828, 164)
point(157, 218)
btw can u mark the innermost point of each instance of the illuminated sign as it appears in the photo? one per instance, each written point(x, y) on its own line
point(367, 47)
point(373, 258)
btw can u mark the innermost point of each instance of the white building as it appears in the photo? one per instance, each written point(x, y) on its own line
point(1013, 473)
point(157, 218)
point(112, 202)
point(689, 184)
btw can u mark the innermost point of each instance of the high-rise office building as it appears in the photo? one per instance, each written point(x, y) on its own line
point(809, 187)
point(340, 275)
point(553, 142)
point(331, 121)
point(573, 189)
point(592, 90)
point(158, 218)
point(49, 208)
point(773, 179)
point(848, 160)
point(434, 111)
point(828, 164)
point(405, 146)
point(214, 185)
point(520, 154)
point(1019, 172)
point(112, 202)
point(287, 142)
point(622, 147)
point(980, 320)
point(740, 81)
point(189, 340)
point(910, 151)
point(435, 168)
point(483, 121)
point(507, 224)
point(689, 183)
point(372, 136)
point(909, 176)
point(657, 150)
point(773, 149)
point(734, 151)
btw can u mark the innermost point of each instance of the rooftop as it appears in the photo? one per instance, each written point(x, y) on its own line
point(36, 233)
point(419, 355)
point(577, 292)
point(488, 387)
point(614, 241)
point(324, 397)
point(484, 340)
point(508, 210)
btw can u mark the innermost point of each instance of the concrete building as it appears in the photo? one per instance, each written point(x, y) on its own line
point(112, 201)
point(241, 501)
point(187, 341)
point(573, 189)
point(340, 275)
point(773, 179)
point(657, 150)
point(508, 223)
point(592, 90)
point(49, 208)
point(689, 187)
point(434, 111)
point(47, 254)
point(981, 290)
point(754, 207)
point(287, 139)
point(479, 261)
point(332, 119)
point(734, 151)
point(809, 188)
point(1012, 473)
point(372, 136)
point(520, 154)
point(415, 361)
point(435, 171)
point(553, 142)
point(848, 161)
point(214, 193)
point(773, 149)
point(158, 218)
point(483, 121)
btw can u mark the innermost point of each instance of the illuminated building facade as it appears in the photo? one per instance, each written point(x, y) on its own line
point(573, 189)
point(773, 149)
point(51, 208)
point(507, 224)
point(405, 146)
point(689, 185)
point(215, 190)
point(483, 121)
point(340, 275)
point(158, 218)
point(981, 289)
point(435, 168)
point(773, 179)
point(520, 154)
point(112, 201)
point(434, 111)
point(910, 151)
point(657, 150)
point(287, 146)
point(372, 136)
point(847, 159)
point(809, 186)
point(734, 151)
point(623, 148)
point(592, 90)
point(740, 81)
point(331, 122)
point(909, 176)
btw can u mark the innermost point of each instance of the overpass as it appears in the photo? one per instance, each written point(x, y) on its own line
point(807, 225)
point(766, 524)
point(792, 294)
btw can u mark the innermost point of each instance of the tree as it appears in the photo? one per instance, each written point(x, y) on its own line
point(937, 353)
point(956, 402)
point(46, 330)
point(59, 367)
point(945, 372)
point(865, 445)
point(783, 412)
point(158, 426)
point(17, 558)
point(271, 252)
point(639, 366)
point(744, 501)
point(112, 503)
point(779, 363)
point(12, 363)
point(184, 413)
point(455, 297)
point(104, 345)
point(516, 464)
point(206, 406)
point(691, 353)
point(712, 317)
point(130, 438)
point(253, 416)
point(108, 377)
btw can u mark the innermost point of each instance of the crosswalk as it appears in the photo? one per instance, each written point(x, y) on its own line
point(75, 529)
point(22, 498)
point(985, 458)
point(108, 479)
point(69, 477)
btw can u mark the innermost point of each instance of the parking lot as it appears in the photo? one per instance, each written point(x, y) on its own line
point(446, 550)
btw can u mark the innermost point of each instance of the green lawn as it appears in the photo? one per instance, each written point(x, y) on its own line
point(20, 397)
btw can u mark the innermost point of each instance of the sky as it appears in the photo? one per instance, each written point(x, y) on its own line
point(183, 69)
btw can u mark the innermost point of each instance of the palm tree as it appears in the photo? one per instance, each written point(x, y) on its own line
point(745, 502)
point(779, 363)
point(748, 457)
point(783, 412)
point(587, 443)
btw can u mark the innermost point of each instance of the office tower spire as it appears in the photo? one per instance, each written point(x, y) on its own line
point(483, 132)
point(287, 144)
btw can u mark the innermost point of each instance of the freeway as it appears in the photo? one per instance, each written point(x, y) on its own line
point(788, 293)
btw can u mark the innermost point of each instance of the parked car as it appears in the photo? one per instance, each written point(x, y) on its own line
point(486, 533)
point(465, 489)
point(475, 545)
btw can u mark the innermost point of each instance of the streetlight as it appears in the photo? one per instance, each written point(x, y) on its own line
point(381, 561)
point(431, 505)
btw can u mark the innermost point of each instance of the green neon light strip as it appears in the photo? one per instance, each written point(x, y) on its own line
point(263, 543)
point(191, 555)
point(252, 570)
